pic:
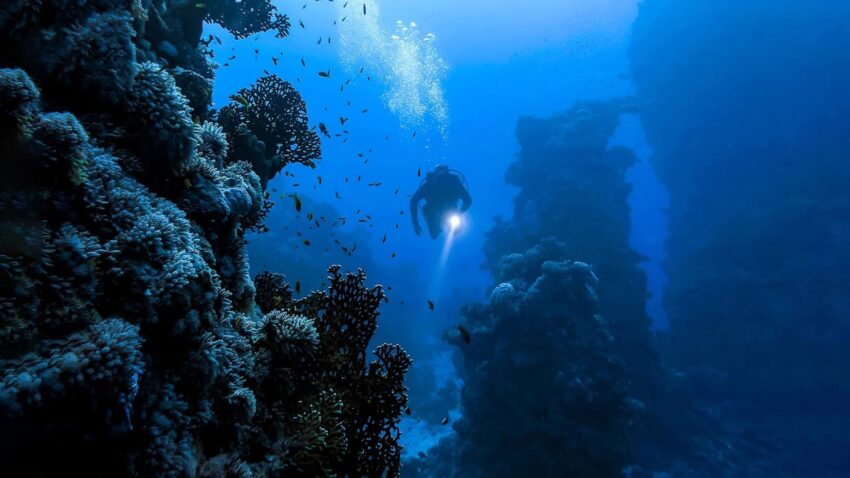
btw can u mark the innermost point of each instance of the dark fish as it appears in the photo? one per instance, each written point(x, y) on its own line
point(319, 178)
point(384, 239)
point(374, 184)
point(445, 421)
point(303, 63)
point(319, 42)
point(419, 173)
point(464, 334)
point(396, 191)
point(232, 58)
point(298, 287)
point(364, 9)
point(391, 257)
point(361, 69)
point(301, 23)
point(342, 120)
point(365, 110)
point(297, 202)
point(324, 129)
point(430, 304)
point(343, 19)
point(275, 60)
point(307, 243)
point(241, 100)
point(325, 74)
point(407, 411)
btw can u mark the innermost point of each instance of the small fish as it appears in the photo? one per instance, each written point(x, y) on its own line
point(303, 63)
point(324, 130)
point(445, 421)
point(430, 304)
point(342, 120)
point(200, 5)
point(407, 411)
point(396, 191)
point(319, 178)
point(419, 173)
point(384, 240)
point(364, 9)
point(325, 74)
point(298, 287)
point(374, 184)
point(241, 100)
point(464, 334)
point(319, 42)
point(365, 110)
point(297, 202)
point(361, 69)
point(275, 60)
point(301, 23)
point(307, 243)
point(392, 257)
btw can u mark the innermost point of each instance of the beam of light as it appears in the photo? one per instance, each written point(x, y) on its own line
point(454, 222)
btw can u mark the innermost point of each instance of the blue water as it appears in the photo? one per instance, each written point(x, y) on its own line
point(454, 98)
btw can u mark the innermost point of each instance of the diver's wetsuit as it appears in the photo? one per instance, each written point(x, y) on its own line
point(441, 191)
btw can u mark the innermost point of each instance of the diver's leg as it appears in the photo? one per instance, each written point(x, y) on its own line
point(433, 222)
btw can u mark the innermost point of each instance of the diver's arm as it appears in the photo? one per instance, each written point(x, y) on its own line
point(465, 199)
point(414, 211)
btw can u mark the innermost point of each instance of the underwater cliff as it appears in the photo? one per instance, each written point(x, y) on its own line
point(133, 340)
point(746, 108)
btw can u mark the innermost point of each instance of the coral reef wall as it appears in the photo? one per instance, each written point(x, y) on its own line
point(133, 341)
point(573, 188)
point(746, 107)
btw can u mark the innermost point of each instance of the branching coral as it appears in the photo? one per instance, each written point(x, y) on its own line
point(245, 18)
point(269, 125)
point(374, 396)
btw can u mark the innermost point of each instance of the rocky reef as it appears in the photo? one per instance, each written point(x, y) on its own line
point(541, 332)
point(133, 341)
point(746, 109)
point(572, 187)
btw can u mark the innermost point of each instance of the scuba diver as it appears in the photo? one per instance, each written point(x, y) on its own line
point(441, 189)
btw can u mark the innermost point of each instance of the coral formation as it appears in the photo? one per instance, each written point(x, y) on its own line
point(541, 332)
point(268, 124)
point(132, 339)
